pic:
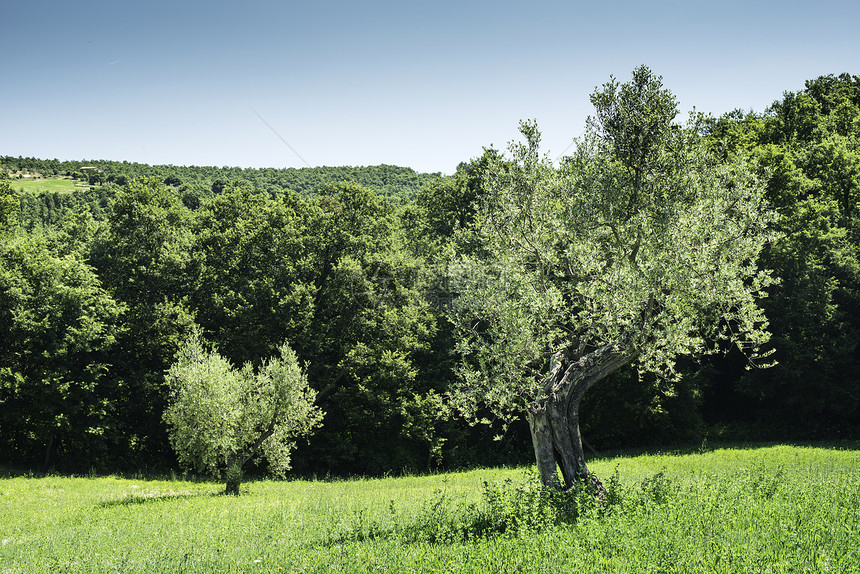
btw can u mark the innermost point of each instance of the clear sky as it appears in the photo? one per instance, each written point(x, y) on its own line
point(420, 84)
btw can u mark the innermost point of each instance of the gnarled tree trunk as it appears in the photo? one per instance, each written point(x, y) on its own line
point(554, 416)
point(237, 461)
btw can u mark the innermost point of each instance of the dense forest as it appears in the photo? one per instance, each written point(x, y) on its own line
point(100, 287)
point(192, 184)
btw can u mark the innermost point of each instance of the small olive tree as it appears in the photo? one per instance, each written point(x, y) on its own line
point(640, 247)
point(220, 417)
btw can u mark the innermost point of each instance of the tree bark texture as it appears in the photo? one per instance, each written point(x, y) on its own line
point(554, 416)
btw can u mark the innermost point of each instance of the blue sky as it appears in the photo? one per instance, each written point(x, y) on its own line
point(419, 84)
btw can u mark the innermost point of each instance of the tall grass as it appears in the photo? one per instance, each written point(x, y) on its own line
point(776, 509)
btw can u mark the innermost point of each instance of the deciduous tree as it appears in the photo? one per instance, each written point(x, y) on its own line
point(57, 324)
point(143, 259)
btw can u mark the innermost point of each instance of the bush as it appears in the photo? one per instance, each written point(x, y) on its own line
point(508, 509)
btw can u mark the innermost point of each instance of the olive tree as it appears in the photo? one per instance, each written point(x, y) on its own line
point(220, 417)
point(639, 247)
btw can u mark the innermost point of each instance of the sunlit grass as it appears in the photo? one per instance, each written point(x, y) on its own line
point(48, 185)
point(775, 509)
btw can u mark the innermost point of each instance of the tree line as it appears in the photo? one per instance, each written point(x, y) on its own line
point(99, 292)
point(198, 183)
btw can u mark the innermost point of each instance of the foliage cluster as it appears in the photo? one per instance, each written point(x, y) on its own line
point(808, 146)
point(100, 288)
point(333, 274)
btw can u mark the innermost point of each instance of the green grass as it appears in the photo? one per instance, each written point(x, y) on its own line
point(47, 185)
point(773, 509)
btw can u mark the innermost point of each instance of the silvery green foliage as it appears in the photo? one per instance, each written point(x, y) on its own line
point(219, 415)
point(660, 259)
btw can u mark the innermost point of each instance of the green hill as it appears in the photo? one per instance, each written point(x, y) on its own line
point(199, 181)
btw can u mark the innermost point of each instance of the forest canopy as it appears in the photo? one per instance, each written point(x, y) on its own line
point(102, 286)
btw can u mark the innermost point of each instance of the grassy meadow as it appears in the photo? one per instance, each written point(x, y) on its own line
point(767, 509)
point(48, 185)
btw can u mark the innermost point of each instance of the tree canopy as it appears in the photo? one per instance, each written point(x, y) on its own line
point(651, 246)
point(640, 246)
point(808, 146)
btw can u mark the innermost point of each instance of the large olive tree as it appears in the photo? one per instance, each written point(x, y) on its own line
point(639, 247)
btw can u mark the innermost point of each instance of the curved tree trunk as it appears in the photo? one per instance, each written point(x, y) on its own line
point(237, 460)
point(554, 417)
point(541, 430)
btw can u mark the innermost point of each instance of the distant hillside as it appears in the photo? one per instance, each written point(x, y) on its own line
point(199, 181)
